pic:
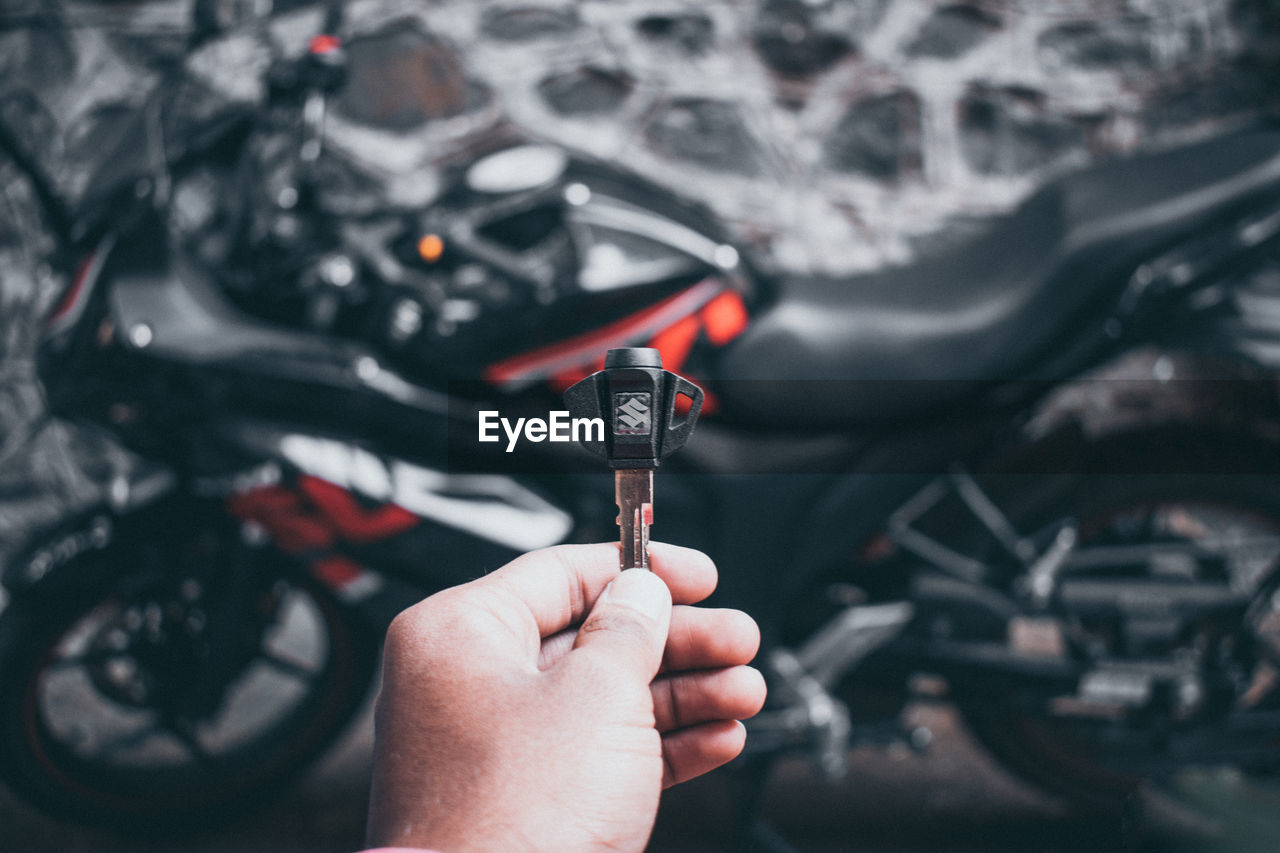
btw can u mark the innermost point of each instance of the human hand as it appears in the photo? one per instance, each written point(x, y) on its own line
point(521, 710)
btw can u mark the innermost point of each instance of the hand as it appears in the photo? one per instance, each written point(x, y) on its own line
point(521, 711)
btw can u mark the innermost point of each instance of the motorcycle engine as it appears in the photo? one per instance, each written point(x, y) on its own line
point(519, 252)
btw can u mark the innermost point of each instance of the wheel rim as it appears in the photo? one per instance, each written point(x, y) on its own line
point(127, 756)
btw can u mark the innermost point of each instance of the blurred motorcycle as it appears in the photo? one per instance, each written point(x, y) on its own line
point(1033, 475)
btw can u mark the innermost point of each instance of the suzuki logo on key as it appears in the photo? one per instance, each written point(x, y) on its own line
point(632, 413)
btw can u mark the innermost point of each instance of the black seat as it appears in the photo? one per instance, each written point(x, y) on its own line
point(989, 308)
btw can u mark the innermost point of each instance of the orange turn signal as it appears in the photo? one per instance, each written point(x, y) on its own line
point(430, 248)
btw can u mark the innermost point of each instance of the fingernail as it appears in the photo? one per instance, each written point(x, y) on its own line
point(641, 590)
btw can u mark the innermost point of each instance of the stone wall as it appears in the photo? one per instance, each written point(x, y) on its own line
point(832, 134)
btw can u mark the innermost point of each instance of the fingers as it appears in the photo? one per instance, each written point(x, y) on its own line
point(699, 639)
point(689, 574)
point(627, 628)
point(703, 638)
point(556, 647)
point(558, 585)
point(690, 752)
point(689, 699)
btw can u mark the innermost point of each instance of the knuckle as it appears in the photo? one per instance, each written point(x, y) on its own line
point(400, 632)
point(616, 622)
point(403, 642)
point(412, 632)
point(671, 705)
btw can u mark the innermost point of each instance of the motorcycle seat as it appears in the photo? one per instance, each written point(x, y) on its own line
point(889, 344)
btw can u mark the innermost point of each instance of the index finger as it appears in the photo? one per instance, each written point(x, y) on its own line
point(559, 585)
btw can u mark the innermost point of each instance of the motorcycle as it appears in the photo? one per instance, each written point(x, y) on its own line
point(1033, 475)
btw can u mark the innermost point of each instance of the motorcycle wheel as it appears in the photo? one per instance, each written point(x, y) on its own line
point(1062, 755)
point(92, 723)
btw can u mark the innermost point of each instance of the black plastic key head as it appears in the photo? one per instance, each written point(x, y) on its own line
point(636, 399)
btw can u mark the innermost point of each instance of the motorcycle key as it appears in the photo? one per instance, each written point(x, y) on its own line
point(636, 400)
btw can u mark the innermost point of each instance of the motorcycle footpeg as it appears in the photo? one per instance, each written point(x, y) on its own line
point(815, 717)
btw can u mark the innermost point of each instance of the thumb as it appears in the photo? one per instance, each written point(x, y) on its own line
point(629, 622)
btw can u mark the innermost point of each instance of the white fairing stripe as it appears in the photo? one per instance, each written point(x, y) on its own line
point(488, 506)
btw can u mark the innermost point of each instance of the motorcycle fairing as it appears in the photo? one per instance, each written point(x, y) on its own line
point(71, 305)
point(672, 326)
point(552, 276)
point(361, 522)
point(487, 506)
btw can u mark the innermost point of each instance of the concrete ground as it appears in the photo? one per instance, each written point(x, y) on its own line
point(950, 798)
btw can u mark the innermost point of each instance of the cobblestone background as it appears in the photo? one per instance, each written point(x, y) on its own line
point(833, 134)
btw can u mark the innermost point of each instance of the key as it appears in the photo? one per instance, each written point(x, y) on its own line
point(633, 493)
point(636, 399)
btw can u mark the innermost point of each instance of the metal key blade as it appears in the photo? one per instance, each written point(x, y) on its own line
point(633, 490)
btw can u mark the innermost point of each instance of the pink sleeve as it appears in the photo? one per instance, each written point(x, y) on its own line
point(399, 850)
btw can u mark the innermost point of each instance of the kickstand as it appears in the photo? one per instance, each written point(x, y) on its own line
point(754, 834)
